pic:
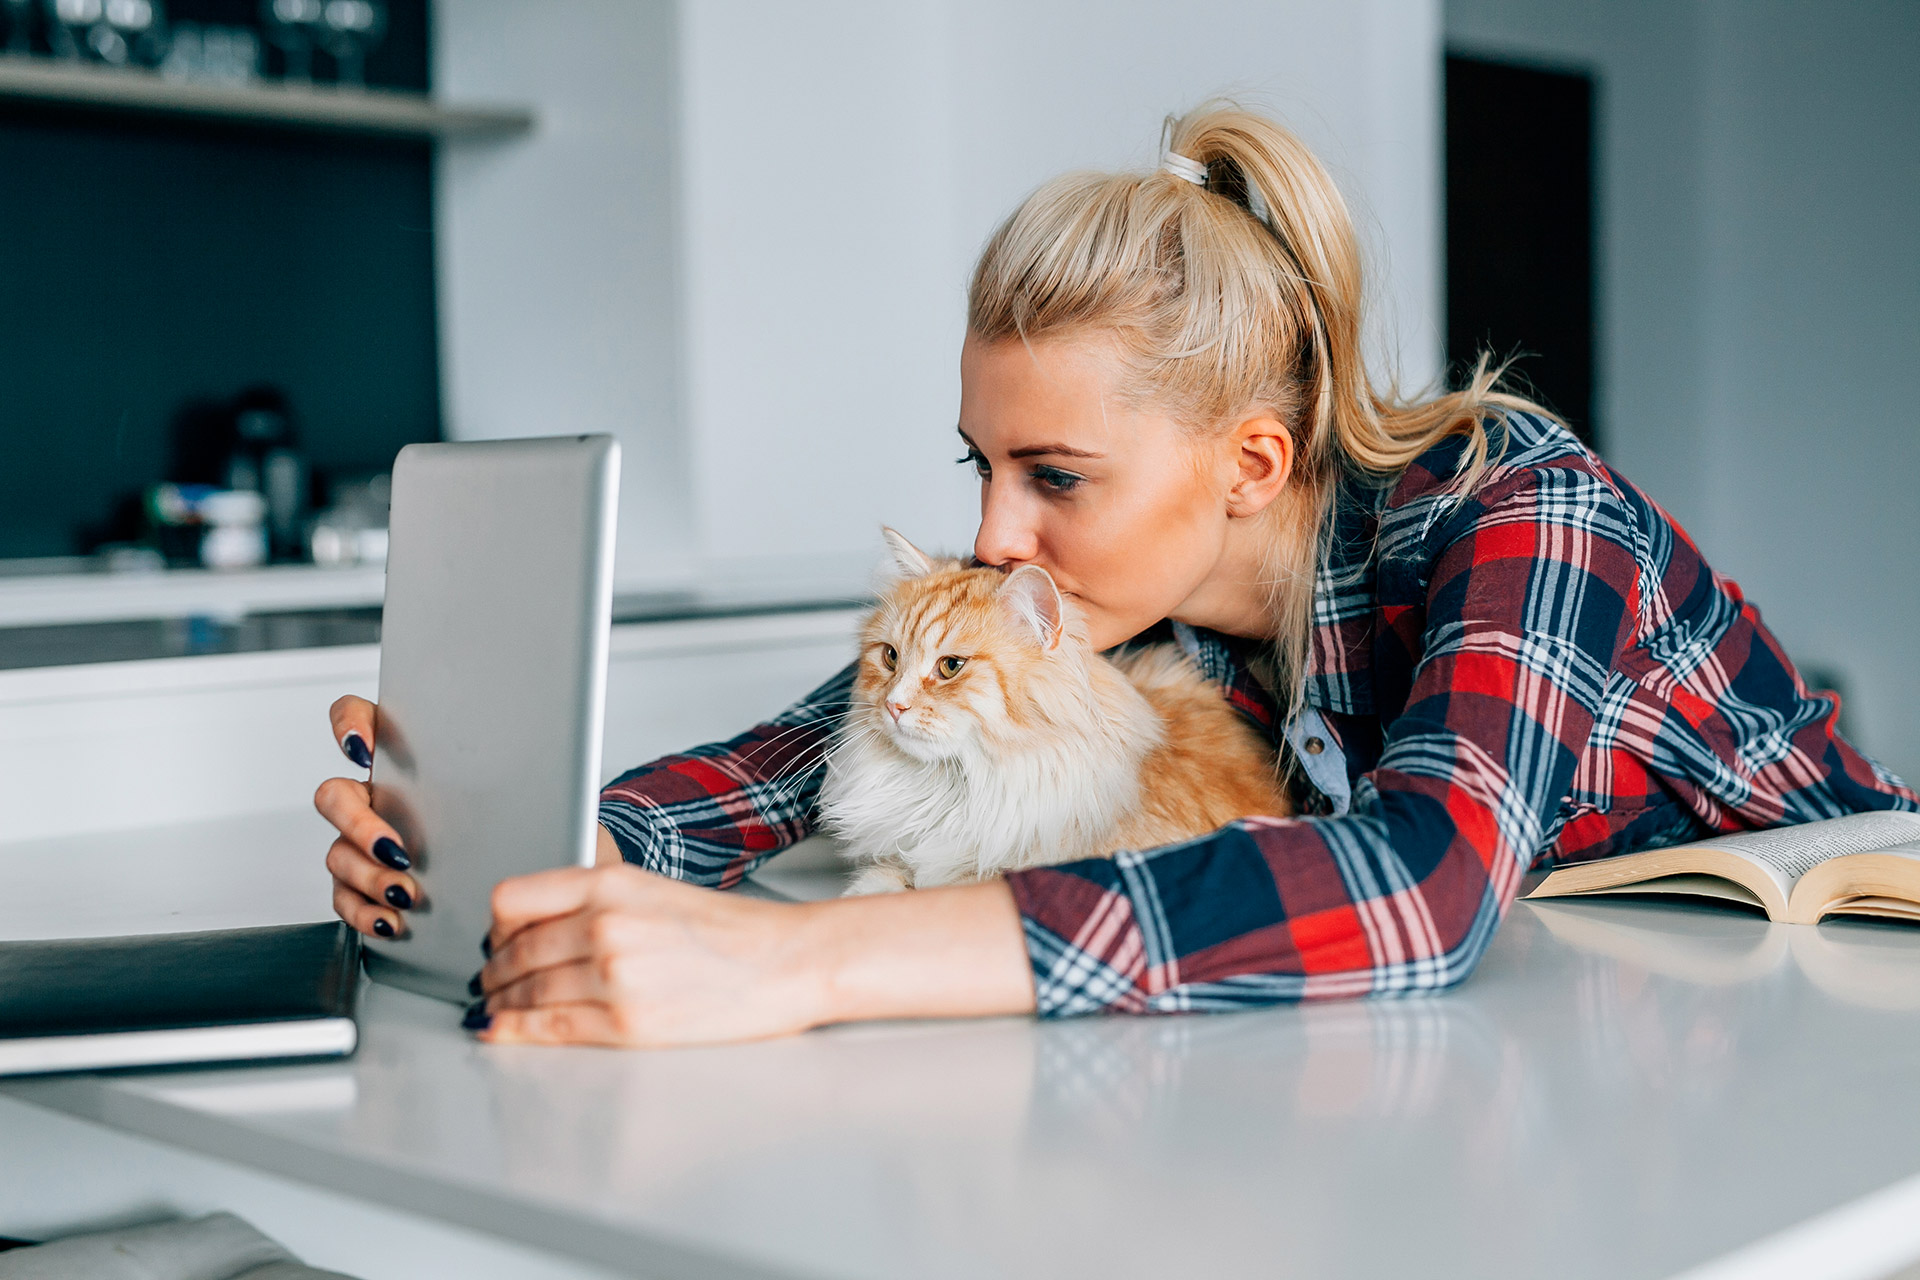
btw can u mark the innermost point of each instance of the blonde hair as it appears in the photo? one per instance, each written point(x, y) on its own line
point(1215, 313)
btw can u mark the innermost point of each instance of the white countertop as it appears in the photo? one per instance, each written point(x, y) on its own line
point(44, 599)
point(30, 599)
point(1621, 1091)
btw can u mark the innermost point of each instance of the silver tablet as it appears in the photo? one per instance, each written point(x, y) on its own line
point(493, 663)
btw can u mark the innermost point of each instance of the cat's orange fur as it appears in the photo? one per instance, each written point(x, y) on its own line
point(1213, 766)
point(1035, 749)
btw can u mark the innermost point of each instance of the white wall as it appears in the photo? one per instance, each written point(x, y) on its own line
point(846, 161)
point(1760, 303)
point(777, 343)
point(1044, 88)
point(557, 253)
point(822, 319)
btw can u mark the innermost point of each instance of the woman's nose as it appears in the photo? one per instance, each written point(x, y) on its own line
point(1006, 534)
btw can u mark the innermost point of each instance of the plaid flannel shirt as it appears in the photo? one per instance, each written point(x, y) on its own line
point(1545, 672)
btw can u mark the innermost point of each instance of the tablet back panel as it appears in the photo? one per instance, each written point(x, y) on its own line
point(493, 659)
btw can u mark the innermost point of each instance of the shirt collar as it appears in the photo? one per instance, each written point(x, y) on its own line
point(1345, 598)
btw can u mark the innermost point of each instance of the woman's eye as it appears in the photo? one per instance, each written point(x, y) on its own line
point(975, 459)
point(1057, 480)
point(949, 666)
point(888, 658)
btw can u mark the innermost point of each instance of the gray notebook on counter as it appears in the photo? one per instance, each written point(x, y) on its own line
point(90, 1004)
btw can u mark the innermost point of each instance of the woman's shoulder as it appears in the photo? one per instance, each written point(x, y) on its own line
point(1536, 468)
point(1522, 444)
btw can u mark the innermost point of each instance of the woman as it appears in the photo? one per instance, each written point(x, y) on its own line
point(1478, 647)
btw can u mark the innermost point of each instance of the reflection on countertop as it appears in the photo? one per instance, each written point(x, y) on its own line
point(1623, 1089)
point(69, 644)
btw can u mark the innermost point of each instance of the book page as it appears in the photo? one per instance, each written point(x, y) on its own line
point(1793, 851)
point(1861, 884)
point(1689, 885)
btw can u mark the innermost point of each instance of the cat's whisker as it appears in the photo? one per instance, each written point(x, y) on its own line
point(788, 789)
point(822, 724)
point(789, 781)
point(799, 762)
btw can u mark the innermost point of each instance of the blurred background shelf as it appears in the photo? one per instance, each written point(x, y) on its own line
point(374, 112)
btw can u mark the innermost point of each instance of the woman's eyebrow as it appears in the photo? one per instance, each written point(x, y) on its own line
point(1035, 450)
point(1065, 451)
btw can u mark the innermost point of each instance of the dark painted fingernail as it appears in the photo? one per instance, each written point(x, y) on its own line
point(382, 927)
point(486, 945)
point(473, 986)
point(477, 1017)
point(397, 896)
point(388, 850)
point(356, 748)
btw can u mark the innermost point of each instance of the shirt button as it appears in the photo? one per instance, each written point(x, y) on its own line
point(1314, 746)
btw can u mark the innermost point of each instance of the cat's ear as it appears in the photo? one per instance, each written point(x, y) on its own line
point(1029, 592)
point(909, 560)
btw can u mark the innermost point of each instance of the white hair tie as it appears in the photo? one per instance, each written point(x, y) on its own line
point(1196, 173)
point(1181, 167)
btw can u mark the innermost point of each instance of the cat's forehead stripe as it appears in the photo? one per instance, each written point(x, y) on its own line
point(928, 612)
point(927, 616)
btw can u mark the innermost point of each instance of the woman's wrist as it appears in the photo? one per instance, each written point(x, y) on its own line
point(957, 952)
point(605, 852)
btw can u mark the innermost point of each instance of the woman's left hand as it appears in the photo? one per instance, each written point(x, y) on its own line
point(615, 955)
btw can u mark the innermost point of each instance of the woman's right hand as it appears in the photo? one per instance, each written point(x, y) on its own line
point(371, 890)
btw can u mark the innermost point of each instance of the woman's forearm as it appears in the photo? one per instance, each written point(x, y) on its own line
point(933, 953)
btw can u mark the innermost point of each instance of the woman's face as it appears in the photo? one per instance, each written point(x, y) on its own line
point(1133, 516)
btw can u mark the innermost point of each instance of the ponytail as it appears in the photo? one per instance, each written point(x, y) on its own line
point(1230, 278)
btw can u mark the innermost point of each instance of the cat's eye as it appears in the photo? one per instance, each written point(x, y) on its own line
point(949, 666)
point(888, 657)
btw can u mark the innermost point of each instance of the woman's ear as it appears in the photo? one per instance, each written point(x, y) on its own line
point(1263, 461)
point(1030, 595)
point(910, 560)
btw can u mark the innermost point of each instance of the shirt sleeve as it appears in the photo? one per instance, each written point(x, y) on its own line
point(713, 814)
point(1530, 599)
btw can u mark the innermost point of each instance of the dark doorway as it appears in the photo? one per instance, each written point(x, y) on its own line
point(1520, 228)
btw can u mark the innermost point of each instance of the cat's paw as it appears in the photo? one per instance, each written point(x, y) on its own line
point(879, 878)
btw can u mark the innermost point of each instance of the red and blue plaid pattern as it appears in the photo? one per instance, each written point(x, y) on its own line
point(1544, 672)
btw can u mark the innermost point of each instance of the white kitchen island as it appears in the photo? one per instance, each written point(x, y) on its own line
point(1622, 1090)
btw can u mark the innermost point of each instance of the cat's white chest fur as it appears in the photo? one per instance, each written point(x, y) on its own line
point(966, 818)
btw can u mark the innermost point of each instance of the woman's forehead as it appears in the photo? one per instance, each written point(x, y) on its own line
point(1022, 397)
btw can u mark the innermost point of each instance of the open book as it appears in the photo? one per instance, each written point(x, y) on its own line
point(1865, 864)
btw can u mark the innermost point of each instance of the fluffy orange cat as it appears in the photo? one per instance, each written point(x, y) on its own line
point(986, 735)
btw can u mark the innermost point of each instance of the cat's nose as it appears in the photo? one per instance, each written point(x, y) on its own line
point(898, 709)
